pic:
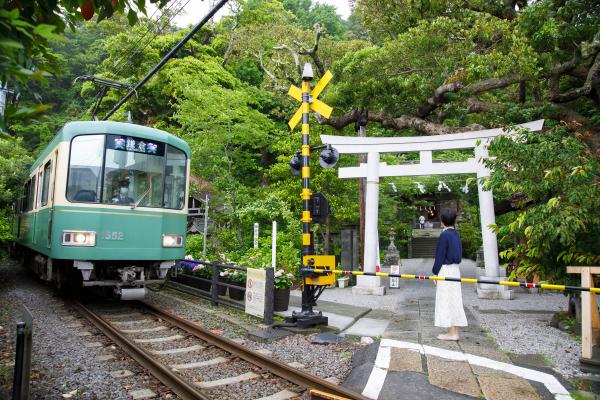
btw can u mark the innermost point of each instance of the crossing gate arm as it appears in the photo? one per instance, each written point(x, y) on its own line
point(546, 286)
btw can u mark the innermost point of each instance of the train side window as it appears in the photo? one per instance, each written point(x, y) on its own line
point(25, 197)
point(46, 182)
point(85, 166)
point(175, 178)
point(31, 194)
point(38, 194)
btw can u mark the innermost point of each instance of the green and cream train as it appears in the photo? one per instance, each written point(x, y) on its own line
point(105, 205)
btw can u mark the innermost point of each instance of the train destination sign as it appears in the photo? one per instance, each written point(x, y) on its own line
point(136, 145)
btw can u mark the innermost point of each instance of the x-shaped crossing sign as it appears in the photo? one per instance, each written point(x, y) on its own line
point(315, 104)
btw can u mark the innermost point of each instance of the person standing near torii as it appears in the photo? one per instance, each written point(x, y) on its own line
point(449, 311)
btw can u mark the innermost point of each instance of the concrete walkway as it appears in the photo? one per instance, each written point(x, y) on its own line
point(407, 361)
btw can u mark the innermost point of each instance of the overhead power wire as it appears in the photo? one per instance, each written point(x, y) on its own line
point(133, 45)
point(125, 61)
point(136, 49)
point(168, 56)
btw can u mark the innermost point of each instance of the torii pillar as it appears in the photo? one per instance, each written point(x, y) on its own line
point(371, 284)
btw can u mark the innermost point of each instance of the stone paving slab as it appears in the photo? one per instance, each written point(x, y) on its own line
point(405, 360)
point(368, 327)
point(406, 325)
point(498, 388)
point(484, 349)
point(444, 344)
point(480, 371)
point(455, 376)
point(413, 386)
point(408, 336)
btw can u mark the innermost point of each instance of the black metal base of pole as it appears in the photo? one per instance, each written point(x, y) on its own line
point(307, 318)
point(304, 319)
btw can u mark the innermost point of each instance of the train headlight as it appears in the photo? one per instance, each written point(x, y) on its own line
point(79, 238)
point(172, 240)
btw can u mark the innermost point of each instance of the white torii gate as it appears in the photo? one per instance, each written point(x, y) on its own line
point(425, 145)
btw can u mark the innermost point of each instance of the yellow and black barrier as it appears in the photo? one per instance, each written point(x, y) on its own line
point(532, 285)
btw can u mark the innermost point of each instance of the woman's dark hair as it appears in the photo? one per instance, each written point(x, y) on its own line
point(448, 216)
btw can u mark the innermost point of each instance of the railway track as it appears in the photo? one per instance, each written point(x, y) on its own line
point(178, 352)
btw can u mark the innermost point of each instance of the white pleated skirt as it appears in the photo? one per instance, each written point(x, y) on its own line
point(449, 309)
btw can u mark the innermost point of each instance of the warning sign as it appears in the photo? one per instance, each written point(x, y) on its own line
point(255, 292)
point(395, 270)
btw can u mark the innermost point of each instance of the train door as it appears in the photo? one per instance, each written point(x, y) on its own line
point(52, 183)
point(36, 206)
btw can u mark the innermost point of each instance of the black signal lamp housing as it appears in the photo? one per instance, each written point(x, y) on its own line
point(329, 157)
point(296, 164)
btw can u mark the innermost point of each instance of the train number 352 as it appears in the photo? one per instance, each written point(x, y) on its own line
point(113, 235)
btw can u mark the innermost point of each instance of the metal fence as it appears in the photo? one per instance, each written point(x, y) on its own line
point(209, 288)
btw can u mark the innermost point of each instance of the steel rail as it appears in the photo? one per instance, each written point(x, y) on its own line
point(280, 369)
point(182, 388)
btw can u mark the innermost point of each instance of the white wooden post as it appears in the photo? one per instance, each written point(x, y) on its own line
point(274, 245)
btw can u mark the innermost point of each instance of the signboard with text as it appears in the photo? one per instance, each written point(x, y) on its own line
point(255, 292)
point(394, 270)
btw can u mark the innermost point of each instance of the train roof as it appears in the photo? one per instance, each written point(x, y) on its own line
point(76, 128)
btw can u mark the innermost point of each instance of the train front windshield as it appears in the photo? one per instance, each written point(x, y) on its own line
point(129, 171)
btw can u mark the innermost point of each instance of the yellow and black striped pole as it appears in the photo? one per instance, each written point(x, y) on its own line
point(547, 286)
point(312, 288)
point(306, 193)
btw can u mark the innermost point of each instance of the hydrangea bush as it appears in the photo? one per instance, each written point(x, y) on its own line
point(283, 280)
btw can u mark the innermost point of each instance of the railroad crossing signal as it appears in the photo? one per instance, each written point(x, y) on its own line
point(315, 104)
point(313, 283)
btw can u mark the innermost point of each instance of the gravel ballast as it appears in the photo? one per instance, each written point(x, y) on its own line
point(72, 359)
point(63, 366)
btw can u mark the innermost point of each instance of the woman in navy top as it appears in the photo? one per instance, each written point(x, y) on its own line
point(449, 312)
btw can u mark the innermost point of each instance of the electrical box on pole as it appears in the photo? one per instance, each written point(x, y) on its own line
point(319, 207)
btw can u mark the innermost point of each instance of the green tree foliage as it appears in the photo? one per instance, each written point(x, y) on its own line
point(27, 26)
point(14, 164)
point(417, 67)
point(557, 221)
